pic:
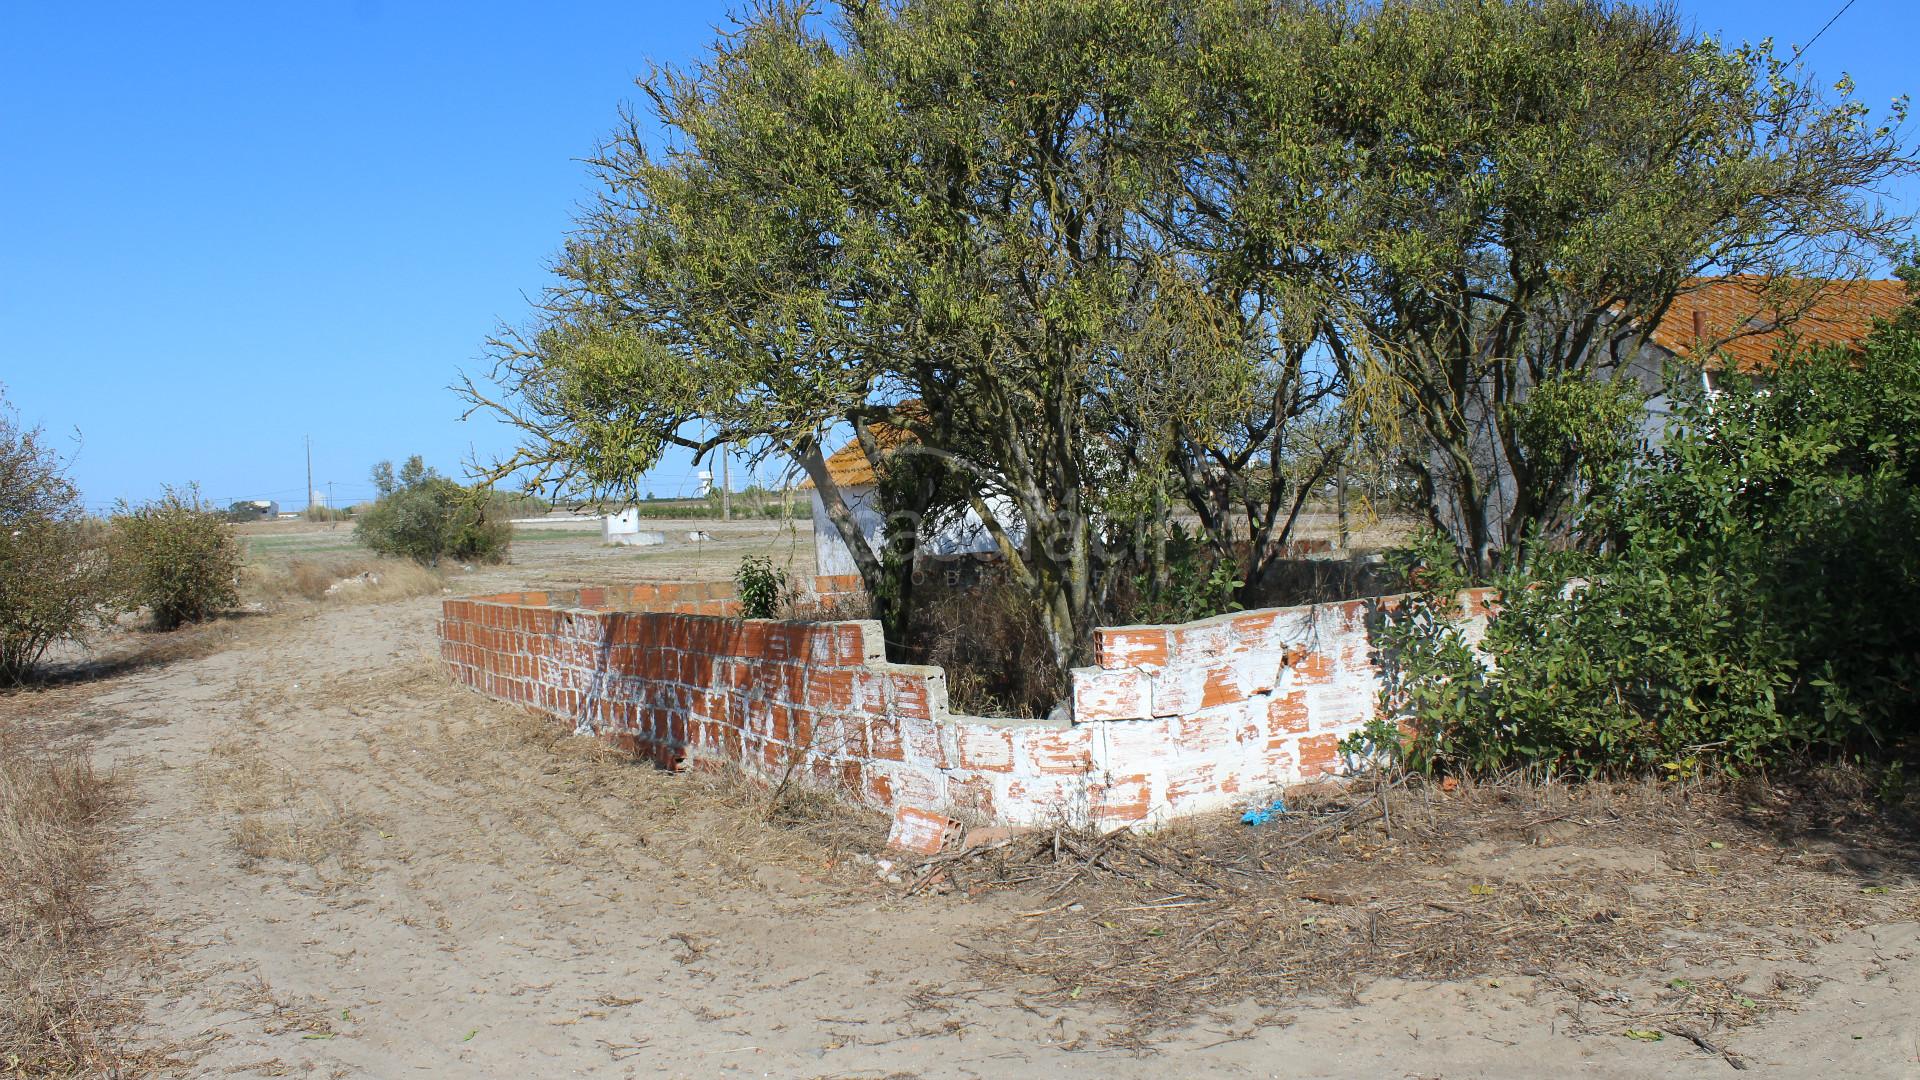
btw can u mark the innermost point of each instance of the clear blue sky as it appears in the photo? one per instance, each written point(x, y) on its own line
point(226, 226)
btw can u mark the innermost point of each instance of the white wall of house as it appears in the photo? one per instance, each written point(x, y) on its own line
point(969, 535)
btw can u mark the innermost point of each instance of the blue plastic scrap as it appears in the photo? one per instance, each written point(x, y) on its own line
point(1260, 815)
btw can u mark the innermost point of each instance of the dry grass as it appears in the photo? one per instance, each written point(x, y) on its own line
point(1578, 886)
point(571, 794)
point(339, 579)
point(58, 1015)
point(277, 815)
point(739, 822)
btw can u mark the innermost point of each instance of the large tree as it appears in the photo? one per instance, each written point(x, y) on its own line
point(1102, 259)
point(1533, 183)
point(947, 217)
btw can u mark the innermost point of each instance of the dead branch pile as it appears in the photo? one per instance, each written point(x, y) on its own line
point(1569, 884)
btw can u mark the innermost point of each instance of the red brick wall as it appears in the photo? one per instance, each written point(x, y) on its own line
point(1172, 719)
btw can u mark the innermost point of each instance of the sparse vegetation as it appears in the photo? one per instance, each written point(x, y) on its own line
point(993, 647)
point(276, 815)
point(53, 575)
point(426, 517)
point(1583, 886)
point(176, 557)
point(346, 577)
point(57, 1010)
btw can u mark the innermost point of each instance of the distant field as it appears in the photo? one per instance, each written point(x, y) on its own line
point(278, 549)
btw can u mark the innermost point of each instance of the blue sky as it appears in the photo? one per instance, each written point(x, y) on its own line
point(224, 227)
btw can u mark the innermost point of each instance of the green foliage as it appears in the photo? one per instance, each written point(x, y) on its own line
point(53, 575)
point(1526, 186)
point(1197, 583)
point(955, 204)
point(428, 518)
point(1576, 432)
point(384, 482)
point(763, 588)
point(1635, 670)
point(1110, 255)
point(1755, 603)
point(176, 557)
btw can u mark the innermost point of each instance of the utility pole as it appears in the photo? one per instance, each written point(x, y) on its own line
point(726, 484)
point(331, 522)
point(309, 476)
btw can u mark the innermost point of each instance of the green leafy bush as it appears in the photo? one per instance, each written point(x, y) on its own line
point(428, 518)
point(53, 575)
point(1755, 601)
point(1194, 582)
point(176, 557)
point(763, 587)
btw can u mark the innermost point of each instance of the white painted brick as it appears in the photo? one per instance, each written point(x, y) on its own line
point(1104, 694)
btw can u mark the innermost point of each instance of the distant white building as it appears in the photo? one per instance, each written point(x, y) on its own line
point(624, 529)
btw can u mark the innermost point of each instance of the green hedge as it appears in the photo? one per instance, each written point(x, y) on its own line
point(1756, 597)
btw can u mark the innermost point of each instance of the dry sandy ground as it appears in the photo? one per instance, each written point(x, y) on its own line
point(357, 874)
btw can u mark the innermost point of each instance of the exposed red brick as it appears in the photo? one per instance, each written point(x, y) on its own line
point(828, 689)
point(661, 679)
point(1109, 694)
point(1221, 687)
point(883, 740)
point(1131, 646)
point(973, 794)
point(921, 831)
point(986, 749)
point(1319, 754)
point(1193, 785)
point(1123, 799)
point(1288, 714)
point(1312, 666)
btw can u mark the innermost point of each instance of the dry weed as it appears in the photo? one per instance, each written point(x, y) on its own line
point(1574, 885)
point(736, 821)
point(57, 1014)
point(279, 816)
point(341, 579)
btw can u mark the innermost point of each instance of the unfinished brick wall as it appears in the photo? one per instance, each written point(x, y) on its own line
point(1170, 720)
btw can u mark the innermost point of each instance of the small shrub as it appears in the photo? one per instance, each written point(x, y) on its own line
point(53, 576)
point(763, 587)
point(1195, 582)
point(433, 518)
point(175, 557)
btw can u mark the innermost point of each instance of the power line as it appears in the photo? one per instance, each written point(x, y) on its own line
point(1822, 30)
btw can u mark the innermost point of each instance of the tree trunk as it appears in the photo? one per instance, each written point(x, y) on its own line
point(873, 575)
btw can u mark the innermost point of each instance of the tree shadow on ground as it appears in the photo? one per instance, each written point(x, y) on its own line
point(129, 650)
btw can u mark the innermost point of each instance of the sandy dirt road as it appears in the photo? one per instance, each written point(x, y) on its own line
point(359, 871)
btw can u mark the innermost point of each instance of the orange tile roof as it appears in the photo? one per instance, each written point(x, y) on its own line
point(1738, 317)
point(849, 466)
